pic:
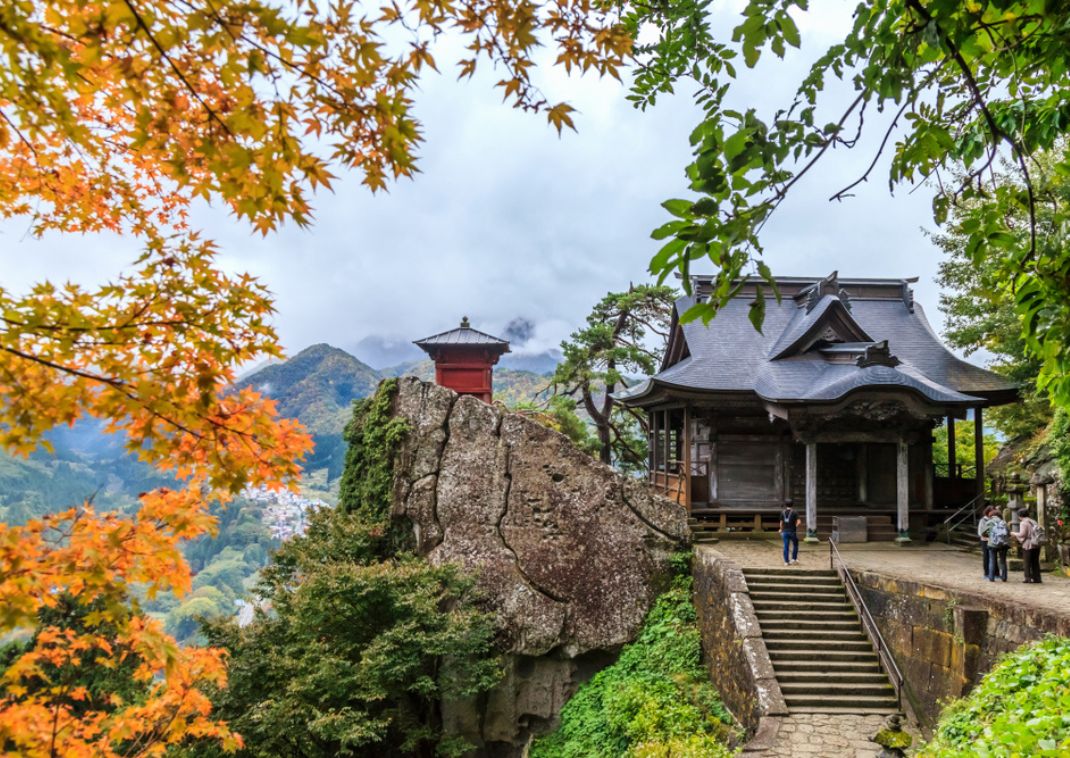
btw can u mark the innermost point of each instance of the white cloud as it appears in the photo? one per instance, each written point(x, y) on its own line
point(509, 220)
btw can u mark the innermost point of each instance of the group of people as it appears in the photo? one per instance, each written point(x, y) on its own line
point(993, 530)
point(996, 536)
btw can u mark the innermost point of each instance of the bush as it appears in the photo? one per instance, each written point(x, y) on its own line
point(656, 701)
point(1020, 708)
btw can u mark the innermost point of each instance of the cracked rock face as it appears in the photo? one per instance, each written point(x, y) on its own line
point(570, 553)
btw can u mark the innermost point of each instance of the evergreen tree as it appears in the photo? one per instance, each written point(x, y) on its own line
point(625, 336)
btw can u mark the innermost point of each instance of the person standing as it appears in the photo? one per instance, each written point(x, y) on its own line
point(999, 542)
point(1028, 536)
point(789, 532)
point(982, 534)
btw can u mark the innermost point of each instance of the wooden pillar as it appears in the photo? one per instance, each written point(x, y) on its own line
point(902, 491)
point(650, 443)
point(811, 492)
point(862, 472)
point(979, 450)
point(667, 432)
point(686, 473)
point(654, 446)
point(952, 467)
point(929, 473)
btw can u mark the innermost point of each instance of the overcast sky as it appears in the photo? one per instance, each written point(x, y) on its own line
point(507, 220)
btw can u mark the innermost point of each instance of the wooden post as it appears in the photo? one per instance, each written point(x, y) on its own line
point(811, 492)
point(929, 473)
point(654, 445)
point(665, 448)
point(686, 473)
point(952, 466)
point(979, 450)
point(651, 442)
point(902, 491)
point(862, 472)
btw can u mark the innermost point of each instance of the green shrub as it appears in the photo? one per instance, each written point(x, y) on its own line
point(1020, 708)
point(656, 701)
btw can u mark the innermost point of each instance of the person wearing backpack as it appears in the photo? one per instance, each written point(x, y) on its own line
point(999, 542)
point(982, 534)
point(1031, 536)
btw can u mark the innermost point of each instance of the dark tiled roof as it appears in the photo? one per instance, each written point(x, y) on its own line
point(463, 335)
point(789, 362)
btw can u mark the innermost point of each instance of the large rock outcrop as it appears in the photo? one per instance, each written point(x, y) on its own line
point(569, 553)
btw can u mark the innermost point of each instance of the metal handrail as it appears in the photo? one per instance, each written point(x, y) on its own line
point(956, 519)
point(868, 623)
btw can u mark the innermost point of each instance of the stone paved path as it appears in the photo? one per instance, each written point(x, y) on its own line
point(935, 563)
point(822, 735)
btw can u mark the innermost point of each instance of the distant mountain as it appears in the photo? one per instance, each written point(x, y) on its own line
point(318, 386)
point(537, 363)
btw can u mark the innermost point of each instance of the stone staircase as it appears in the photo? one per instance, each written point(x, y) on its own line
point(822, 658)
point(964, 537)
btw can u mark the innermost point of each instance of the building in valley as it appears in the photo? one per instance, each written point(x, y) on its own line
point(832, 405)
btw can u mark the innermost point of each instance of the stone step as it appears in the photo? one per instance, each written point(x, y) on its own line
point(798, 595)
point(790, 655)
point(826, 631)
point(811, 644)
point(790, 624)
point(808, 615)
point(837, 688)
point(847, 711)
point(765, 582)
point(841, 701)
point(809, 589)
point(795, 604)
point(825, 666)
point(825, 677)
point(789, 571)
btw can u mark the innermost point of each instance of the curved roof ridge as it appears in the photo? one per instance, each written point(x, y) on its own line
point(462, 335)
point(806, 324)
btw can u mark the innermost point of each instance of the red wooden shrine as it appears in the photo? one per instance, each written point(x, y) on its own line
point(464, 359)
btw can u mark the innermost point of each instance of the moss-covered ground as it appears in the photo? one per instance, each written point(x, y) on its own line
point(656, 701)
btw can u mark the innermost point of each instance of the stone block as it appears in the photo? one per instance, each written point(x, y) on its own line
point(744, 619)
point(970, 624)
point(933, 646)
point(849, 529)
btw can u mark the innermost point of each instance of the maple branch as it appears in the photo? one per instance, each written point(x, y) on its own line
point(212, 115)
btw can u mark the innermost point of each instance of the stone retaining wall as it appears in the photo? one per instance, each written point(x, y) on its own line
point(945, 640)
point(732, 645)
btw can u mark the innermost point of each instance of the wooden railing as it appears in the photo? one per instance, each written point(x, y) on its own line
point(837, 564)
point(672, 485)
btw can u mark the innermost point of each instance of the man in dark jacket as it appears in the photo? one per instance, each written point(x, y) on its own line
point(789, 532)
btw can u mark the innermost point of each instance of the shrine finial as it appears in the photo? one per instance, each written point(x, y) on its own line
point(465, 323)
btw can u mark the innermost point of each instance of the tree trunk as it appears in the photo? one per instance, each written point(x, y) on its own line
point(606, 453)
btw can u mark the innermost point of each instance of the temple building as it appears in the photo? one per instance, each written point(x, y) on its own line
point(464, 359)
point(833, 406)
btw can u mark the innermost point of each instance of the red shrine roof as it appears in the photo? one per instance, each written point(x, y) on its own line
point(463, 336)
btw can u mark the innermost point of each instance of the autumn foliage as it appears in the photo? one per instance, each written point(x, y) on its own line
point(115, 116)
